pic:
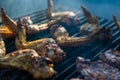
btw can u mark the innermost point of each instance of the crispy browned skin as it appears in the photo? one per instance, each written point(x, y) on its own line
point(62, 37)
point(97, 70)
point(8, 22)
point(2, 47)
point(68, 17)
point(5, 32)
point(54, 15)
point(117, 23)
point(111, 57)
point(27, 22)
point(45, 46)
point(92, 24)
point(28, 60)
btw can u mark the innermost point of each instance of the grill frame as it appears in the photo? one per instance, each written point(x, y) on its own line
point(67, 68)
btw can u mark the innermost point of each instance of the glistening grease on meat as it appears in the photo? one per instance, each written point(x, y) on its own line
point(28, 59)
point(45, 46)
point(27, 22)
point(60, 34)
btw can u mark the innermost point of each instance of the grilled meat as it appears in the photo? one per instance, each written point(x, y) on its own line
point(117, 23)
point(5, 32)
point(111, 57)
point(2, 47)
point(62, 37)
point(92, 23)
point(97, 70)
point(45, 46)
point(35, 28)
point(28, 24)
point(8, 22)
point(69, 18)
point(28, 60)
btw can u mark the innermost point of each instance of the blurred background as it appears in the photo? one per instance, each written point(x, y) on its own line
point(102, 8)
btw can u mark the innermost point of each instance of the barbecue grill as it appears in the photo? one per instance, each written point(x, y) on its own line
point(66, 69)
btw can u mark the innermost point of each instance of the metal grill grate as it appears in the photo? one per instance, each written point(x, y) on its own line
point(66, 69)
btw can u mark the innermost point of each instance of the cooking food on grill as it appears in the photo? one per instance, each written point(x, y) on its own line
point(2, 47)
point(28, 60)
point(92, 22)
point(62, 37)
point(45, 46)
point(97, 70)
point(35, 28)
point(117, 23)
point(69, 18)
point(27, 22)
point(5, 32)
point(111, 57)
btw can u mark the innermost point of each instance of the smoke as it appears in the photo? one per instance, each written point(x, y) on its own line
point(102, 8)
point(16, 8)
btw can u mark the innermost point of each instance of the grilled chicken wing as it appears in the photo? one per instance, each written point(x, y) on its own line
point(117, 23)
point(92, 24)
point(45, 47)
point(8, 22)
point(97, 70)
point(29, 26)
point(2, 47)
point(28, 60)
point(5, 32)
point(111, 57)
point(69, 18)
point(62, 37)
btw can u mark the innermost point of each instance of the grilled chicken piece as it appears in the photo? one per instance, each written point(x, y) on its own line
point(2, 47)
point(97, 70)
point(8, 22)
point(28, 60)
point(69, 18)
point(111, 57)
point(62, 37)
point(5, 32)
point(45, 46)
point(117, 23)
point(92, 24)
point(29, 26)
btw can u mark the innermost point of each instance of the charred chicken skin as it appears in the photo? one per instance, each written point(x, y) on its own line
point(68, 17)
point(92, 22)
point(45, 46)
point(62, 37)
point(111, 57)
point(27, 22)
point(28, 60)
point(97, 70)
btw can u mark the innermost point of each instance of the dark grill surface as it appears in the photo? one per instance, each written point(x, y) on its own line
point(66, 69)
